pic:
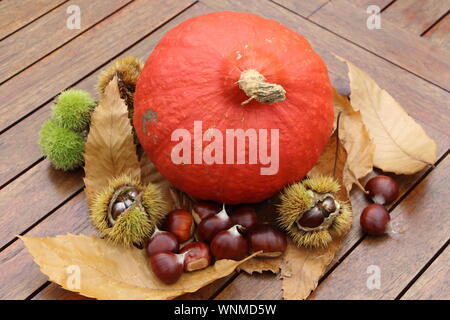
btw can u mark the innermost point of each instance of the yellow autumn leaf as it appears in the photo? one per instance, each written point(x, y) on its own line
point(401, 144)
point(111, 272)
point(356, 141)
point(109, 149)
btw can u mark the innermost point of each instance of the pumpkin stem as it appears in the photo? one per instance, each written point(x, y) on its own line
point(255, 87)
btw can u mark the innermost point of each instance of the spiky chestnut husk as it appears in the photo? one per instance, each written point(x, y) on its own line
point(73, 109)
point(137, 222)
point(63, 147)
point(127, 70)
point(299, 198)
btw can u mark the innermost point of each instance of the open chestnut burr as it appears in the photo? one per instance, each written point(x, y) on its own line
point(268, 239)
point(198, 256)
point(229, 244)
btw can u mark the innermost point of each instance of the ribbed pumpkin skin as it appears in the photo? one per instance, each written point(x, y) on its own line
point(192, 75)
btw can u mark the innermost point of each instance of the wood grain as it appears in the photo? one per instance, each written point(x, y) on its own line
point(365, 3)
point(440, 33)
point(434, 284)
point(427, 60)
point(48, 33)
point(305, 8)
point(77, 204)
point(15, 14)
point(67, 65)
point(32, 196)
point(21, 276)
point(416, 16)
point(422, 222)
point(55, 292)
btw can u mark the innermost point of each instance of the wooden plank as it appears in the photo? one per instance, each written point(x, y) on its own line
point(32, 196)
point(46, 34)
point(426, 60)
point(16, 14)
point(20, 275)
point(440, 33)
point(63, 67)
point(305, 8)
point(434, 284)
point(366, 3)
point(381, 70)
point(55, 292)
point(76, 206)
point(423, 223)
point(416, 16)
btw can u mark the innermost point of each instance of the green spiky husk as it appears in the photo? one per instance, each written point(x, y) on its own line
point(296, 200)
point(137, 223)
point(63, 147)
point(73, 109)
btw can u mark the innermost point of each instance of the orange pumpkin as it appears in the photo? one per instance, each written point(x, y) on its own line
point(221, 72)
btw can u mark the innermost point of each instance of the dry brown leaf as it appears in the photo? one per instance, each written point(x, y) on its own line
point(356, 141)
point(402, 146)
point(110, 272)
point(261, 264)
point(302, 268)
point(109, 150)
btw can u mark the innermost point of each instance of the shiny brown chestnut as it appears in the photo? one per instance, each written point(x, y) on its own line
point(268, 239)
point(204, 209)
point(167, 266)
point(382, 189)
point(198, 256)
point(375, 219)
point(162, 241)
point(181, 224)
point(229, 244)
point(244, 216)
point(312, 218)
point(209, 227)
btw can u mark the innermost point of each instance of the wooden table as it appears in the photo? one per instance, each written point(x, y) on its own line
point(409, 57)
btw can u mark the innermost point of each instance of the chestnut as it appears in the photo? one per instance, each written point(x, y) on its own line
point(312, 218)
point(229, 244)
point(181, 224)
point(375, 219)
point(244, 216)
point(382, 189)
point(198, 256)
point(162, 241)
point(204, 209)
point(209, 227)
point(268, 239)
point(167, 266)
